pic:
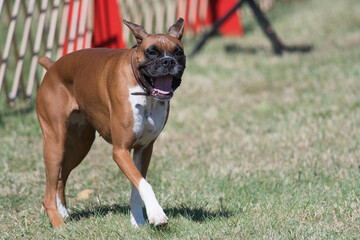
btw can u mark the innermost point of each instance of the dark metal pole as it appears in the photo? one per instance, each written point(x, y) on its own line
point(278, 46)
point(214, 28)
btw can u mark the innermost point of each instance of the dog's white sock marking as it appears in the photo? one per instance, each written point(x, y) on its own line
point(154, 211)
point(61, 208)
point(136, 213)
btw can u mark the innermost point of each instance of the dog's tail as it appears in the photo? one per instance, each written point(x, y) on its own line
point(45, 62)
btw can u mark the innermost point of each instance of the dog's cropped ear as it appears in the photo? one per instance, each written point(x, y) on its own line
point(138, 31)
point(177, 29)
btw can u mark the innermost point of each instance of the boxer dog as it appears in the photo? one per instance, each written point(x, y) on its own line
point(122, 94)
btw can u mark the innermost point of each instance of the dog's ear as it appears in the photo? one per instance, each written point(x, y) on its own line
point(177, 29)
point(138, 31)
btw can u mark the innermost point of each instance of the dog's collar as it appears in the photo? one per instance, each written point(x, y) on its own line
point(140, 80)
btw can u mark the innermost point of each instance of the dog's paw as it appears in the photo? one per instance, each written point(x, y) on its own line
point(156, 216)
point(154, 211)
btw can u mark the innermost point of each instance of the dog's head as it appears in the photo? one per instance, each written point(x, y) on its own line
point(160, 57)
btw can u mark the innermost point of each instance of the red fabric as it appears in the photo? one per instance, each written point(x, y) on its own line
point(107, 25)
point(211, 13)
point(217, 9)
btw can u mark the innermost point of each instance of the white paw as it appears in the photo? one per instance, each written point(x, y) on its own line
point(156, 216)
point(154, 211)
point(61, 208)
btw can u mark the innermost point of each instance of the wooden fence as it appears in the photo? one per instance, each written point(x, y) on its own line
point(32, 28)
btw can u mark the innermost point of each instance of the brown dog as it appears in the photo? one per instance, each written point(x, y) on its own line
point(124, 95)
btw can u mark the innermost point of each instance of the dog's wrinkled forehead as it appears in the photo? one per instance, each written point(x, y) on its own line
point(161, 43)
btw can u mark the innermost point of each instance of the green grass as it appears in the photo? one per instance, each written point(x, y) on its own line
point(256, 146)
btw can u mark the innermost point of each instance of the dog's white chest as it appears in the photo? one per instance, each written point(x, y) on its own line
point(149, 116)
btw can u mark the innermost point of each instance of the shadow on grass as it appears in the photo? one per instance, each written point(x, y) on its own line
point(198, 214)
point(99, 211)
point(234, 49)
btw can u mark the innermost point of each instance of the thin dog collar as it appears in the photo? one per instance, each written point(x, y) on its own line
point(147, 87)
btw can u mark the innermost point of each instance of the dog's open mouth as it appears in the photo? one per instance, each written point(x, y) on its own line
point(162, 87)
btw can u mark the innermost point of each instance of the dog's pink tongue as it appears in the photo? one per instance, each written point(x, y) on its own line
point(163, 84)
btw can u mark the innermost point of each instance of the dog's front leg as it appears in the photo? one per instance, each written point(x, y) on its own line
point(154, 211)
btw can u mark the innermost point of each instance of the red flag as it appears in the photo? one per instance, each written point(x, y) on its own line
point(107, 25)
point(217, 9)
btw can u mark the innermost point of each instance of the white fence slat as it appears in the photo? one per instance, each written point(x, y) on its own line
point(89, 24)
point(203, 7)
point(82, 22)
point(39, 34)
point(170, 13)
point(149, 17)
point(160, 16)
point(1, 5)
point(73, 26)
point(8, 41)
point(63, 28)
point(51, 36)
point(24, 41)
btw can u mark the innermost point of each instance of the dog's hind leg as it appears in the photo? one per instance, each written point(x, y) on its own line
point(53, 106)
point(79, 138)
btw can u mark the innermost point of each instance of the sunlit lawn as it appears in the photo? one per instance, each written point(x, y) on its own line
point(256, 146)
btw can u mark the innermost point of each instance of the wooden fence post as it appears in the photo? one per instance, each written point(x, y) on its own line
point(51, 35)
point(9, 39)
point(82, 22)
point(24, 41)
point(63, 27)
point(39, 34)
point(89, 23)
point(1, 5)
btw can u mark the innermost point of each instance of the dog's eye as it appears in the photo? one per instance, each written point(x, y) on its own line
point(178, 51)
point(152, 52)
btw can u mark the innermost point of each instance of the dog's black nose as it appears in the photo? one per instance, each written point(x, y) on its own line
point(167, 62)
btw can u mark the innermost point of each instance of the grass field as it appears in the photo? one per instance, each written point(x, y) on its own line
point(256, 146)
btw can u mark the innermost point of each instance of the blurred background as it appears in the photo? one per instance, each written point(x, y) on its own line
point(262, 139)
point(53, 28)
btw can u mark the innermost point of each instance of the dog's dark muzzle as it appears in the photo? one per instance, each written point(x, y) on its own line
point(159, 77)
point(167, 62)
